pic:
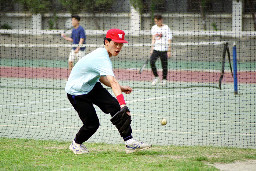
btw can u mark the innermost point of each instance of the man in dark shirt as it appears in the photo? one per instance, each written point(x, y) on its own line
point(78, 38)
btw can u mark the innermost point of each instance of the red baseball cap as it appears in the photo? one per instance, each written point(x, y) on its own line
point(116, 35)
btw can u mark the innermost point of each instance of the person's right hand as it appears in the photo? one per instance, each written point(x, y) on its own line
point(128, 112)
point(63, 35)
point(151, 51)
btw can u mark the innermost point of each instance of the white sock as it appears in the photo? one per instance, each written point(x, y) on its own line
point(75, 142)
point(129, 141)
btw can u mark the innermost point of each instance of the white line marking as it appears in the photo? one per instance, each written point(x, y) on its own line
point(48, 111)
point(134, 130)
point(32, 102)
point(98, 45)
point(163, 97)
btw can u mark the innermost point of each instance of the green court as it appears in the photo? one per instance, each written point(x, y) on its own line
point(197, 113)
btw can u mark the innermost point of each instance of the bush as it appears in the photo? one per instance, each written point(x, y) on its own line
point(5, 26)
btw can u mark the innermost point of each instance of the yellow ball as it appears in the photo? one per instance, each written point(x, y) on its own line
point(163, 122)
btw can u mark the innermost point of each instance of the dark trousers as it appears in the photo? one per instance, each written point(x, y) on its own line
point(83, 104)
point(163, 57)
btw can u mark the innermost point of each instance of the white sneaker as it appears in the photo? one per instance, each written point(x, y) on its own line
point(155, 81)
point(164, 83)
point(134, 145)
point(78, 148)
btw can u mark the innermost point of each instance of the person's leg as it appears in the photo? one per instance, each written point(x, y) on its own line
point(80, 54)
point(71, 61)
point(164, 62)
point(70, 67)
point(84, 107)
point(153, 58)
point(108, 104)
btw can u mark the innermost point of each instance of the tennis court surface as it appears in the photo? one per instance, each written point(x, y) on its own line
point(34, 104)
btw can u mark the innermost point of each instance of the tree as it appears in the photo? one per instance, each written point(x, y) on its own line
point(42, 6)
point(147, 6)
point(203, 5)
point(6, 5)
point(138, 5)
point(73, 6)
point(35, 6)
point(90, 6)
point(253, 12)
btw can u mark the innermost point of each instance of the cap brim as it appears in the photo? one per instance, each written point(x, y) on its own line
point(119, 41)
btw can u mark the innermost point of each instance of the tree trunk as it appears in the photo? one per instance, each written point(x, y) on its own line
point(202, 11)
point(96, 20)
point(252, 10)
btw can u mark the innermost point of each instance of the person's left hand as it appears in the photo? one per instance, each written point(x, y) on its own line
point(169, 54)
point(77, 50)
point(126, 89)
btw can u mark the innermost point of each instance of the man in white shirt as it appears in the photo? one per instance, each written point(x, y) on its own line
point(161, 47)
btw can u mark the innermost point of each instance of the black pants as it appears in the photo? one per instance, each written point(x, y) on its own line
point(163, 57)
point(83, 104)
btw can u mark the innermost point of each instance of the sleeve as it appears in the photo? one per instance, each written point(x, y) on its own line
point(71, 36)
point(152, 31)
point(82, 34)
point(169, 34)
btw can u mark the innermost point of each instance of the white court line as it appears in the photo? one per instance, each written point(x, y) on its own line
point(134, 130)
point(49, 111)
point(194, 119)
point(32, 102)
point(189, 132)
point(99, 45)
point(163, 97)
point(128, 102)
point(131, 32)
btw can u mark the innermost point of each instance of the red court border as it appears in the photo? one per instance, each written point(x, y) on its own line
point(248, 77)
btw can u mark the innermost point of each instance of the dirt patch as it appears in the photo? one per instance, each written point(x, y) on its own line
point(249, 165)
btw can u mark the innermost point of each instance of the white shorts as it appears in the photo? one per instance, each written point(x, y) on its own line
point(74, 57)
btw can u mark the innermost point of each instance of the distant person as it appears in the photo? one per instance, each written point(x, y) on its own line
point(84, 90)
point(78, 38)
point(161, 47)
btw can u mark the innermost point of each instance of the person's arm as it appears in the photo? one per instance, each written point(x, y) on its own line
point(169, 37)
point(66, 38)
point(110, 81)
point(80, 44)
point(169, 48)
point(153, 43)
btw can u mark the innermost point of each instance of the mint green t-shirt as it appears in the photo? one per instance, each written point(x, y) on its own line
point(87, 72)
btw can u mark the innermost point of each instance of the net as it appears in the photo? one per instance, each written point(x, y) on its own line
point(34, 71)
point(195, 62)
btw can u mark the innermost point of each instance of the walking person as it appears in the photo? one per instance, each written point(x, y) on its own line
point(84, 89)
point(161, 47)
point(78, 38)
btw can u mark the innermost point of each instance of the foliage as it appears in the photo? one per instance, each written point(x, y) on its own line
point(5, 26)
point(203, 8)
point(73, 6)
point(6, 4)
point(214, 25)
point(144, 5)
point(36, 6)
point(138, 5)
point(76, 6)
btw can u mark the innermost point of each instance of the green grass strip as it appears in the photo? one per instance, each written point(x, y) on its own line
point(23, 154)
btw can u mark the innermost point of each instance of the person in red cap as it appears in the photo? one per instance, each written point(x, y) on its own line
point(84, 89)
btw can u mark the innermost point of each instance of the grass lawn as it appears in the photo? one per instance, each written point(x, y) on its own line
point(22, 154)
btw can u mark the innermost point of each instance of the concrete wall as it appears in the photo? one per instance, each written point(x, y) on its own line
point(176, 21)
point(90, 22)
